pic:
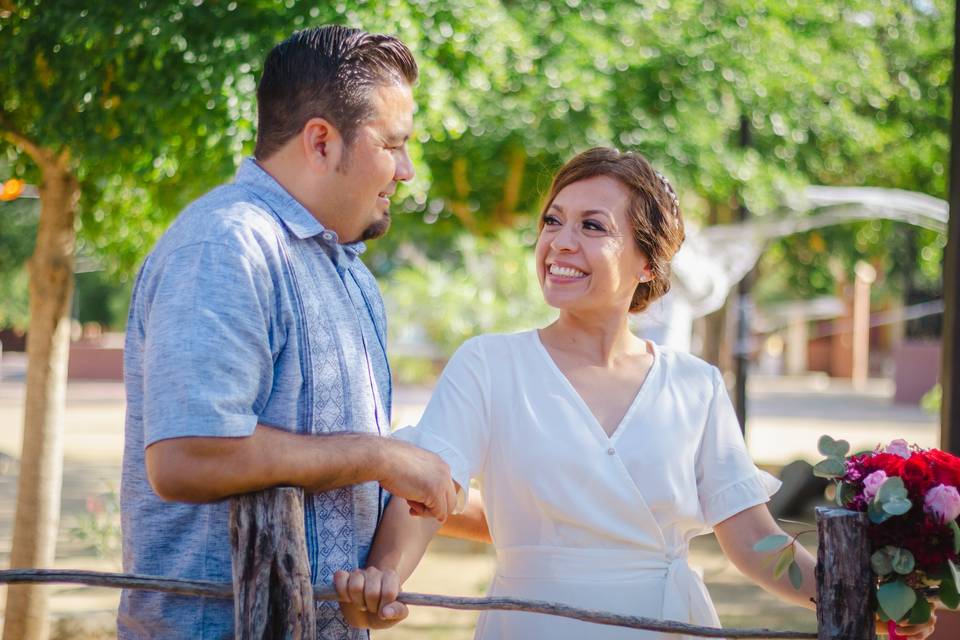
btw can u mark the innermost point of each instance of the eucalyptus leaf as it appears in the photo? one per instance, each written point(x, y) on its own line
point(956, 536)
point(891, 489)
point(920, 612)
point(896, 599)
point(771, 543)
point(845, 493)
point(902, 561)
point(832, 448)
point(830, 468)
point(796, 576)
point(783, 562)
point(954, 572)
point(897, 506)
point(881, 563)
point(876, 513)
point(948, 593)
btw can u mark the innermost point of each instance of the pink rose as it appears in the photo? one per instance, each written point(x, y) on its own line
point(871, 484)
point(898, 447)
point(942, 502)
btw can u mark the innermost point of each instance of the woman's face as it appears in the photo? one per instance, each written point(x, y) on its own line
point(586, 257)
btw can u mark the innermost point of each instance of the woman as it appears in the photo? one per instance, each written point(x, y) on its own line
point(599, 455)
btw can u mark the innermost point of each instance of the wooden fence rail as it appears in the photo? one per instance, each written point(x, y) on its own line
point(274, 597)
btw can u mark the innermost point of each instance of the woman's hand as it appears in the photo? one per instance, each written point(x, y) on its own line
point(368, 598)
point(909, 631)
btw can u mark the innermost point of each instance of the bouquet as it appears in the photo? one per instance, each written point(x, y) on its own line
point(912, 501)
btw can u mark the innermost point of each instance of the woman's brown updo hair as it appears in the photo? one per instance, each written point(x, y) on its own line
point(653, 210)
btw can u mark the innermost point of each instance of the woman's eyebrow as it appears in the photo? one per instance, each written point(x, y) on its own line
point(586, 212)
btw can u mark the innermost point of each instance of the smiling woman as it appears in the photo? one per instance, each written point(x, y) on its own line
point(608, 197)
point(599, 455)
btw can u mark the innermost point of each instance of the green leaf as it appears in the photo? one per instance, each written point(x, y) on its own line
point(881, 563)
point(896, 599)
point(876, 513)
point(954, 572)
point(771, 543)
point(902, 561)
point(832, 448)
point(845, 493)
point(948, 594)
point(920, 612)
point(830, 468)
point(956, 536)
point(891, 489)
point(783, 562)
point(897, 506)
point(796, 576)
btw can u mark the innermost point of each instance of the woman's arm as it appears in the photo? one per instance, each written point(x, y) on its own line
point(368, 596)
point(469, 525)
point(739, 533)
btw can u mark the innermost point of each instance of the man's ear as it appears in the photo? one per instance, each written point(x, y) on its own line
point(322, 145)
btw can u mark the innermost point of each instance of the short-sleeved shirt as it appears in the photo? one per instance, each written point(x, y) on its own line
point(578, 516)
point(248, 311)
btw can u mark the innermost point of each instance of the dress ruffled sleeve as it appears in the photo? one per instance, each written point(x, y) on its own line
point(456, 423)
point(728, 481)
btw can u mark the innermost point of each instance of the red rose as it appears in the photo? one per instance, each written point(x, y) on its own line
point(917, 474)
point(946, 467)
point(888, 462)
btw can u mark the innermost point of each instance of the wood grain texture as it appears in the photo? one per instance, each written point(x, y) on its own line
point(844, 578)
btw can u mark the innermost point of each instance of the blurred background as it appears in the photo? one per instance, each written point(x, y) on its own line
point(809, 143)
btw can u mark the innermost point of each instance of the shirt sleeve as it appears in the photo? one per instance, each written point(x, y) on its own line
point(207, 361)
point(456, 423)
point(728, 481)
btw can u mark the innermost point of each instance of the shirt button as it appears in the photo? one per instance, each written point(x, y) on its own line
point(611, 451)
point(327, 235)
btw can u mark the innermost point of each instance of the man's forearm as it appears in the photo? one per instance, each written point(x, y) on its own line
point(209, 469)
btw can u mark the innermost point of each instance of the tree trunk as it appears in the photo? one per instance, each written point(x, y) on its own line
point(41, 464)
point(273, 595)
point(844, 577)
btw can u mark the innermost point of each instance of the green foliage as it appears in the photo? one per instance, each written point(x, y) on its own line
point(18, 231)
point(771, 543)
point(99, 526)
point(932, 400)
point(483, 285)
point(891, 559)
point(102, 299)
point(154, 100)
point(896, 599)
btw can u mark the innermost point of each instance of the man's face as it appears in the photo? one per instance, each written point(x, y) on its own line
point(375, 162)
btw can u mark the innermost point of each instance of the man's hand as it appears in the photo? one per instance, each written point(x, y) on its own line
point(420, 477)
point(368, 598)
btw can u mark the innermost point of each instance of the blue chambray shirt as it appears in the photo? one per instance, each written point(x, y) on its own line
point(247, 311)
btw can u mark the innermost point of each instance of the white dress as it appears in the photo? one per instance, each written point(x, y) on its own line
point(578, 517)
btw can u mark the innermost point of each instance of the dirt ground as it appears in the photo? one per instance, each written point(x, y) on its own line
point(786, 417)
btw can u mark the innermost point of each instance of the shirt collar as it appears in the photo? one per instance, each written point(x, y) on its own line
point(293, 214)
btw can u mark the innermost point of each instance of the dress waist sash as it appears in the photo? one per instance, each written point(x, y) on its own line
point(685, 597)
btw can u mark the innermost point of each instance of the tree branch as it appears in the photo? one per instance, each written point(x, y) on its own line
point(218, 590)
point(43, 157)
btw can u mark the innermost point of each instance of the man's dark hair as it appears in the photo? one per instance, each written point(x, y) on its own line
point(326, 72)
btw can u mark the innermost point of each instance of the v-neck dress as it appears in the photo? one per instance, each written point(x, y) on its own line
point(580, 517)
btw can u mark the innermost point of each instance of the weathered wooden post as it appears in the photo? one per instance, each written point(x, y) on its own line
point(273, 595)
point(844, 577)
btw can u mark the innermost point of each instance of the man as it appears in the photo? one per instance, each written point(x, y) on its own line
point(255, 343)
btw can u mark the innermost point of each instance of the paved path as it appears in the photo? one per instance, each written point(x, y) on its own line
point(786, 416)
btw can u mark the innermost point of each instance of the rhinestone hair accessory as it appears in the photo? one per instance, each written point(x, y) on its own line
point(673, 197)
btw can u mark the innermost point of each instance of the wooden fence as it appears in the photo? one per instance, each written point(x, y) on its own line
point(274, 598)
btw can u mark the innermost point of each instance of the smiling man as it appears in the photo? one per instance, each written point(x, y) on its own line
point(255, 349)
